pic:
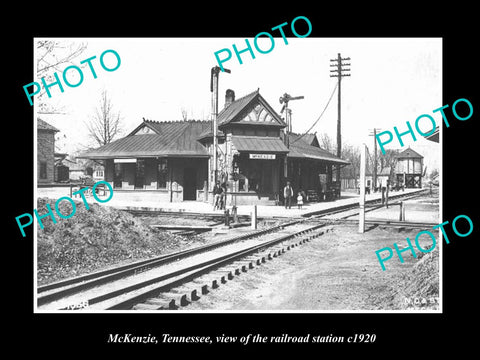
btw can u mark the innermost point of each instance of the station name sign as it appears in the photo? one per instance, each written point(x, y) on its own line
point(262, 156)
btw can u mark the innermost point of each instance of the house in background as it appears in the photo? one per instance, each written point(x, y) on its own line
point(76, 170)
point(61, 170)
point(45, 152)
point(98, 172)
point(384, 175)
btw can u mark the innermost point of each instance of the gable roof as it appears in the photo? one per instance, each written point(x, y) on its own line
point(386, 171)
point(208, 133)
point(43, 125)
point(299, 148)
point(239, 107)
point(409, 153)
point(311, 139)
point(170, 139)
point(435, 136)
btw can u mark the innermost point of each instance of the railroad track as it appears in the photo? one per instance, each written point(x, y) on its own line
point(379, 222)
point(371, 204)
point(188, 288)
point(60, 289)
point(217, 218)
point(160, 282)
point(106, 291)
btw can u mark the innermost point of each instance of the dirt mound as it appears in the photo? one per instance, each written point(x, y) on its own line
point(417, 289)
point(423, 279)
point(94, 239)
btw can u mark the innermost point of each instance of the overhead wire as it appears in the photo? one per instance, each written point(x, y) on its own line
point(316, 121)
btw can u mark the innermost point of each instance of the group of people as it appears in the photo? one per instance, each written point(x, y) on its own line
point(219, 193)
point(288, 194)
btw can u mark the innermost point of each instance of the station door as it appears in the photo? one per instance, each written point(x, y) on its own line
point(190, 184)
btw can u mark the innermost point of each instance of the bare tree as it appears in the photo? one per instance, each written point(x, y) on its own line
point(106, 123)
point(434, 173)
point(352, 154)
point(184, 114)
point(51, 56)
point(327, 143)
point(389, 159)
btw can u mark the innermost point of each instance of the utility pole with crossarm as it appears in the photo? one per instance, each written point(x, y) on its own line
point(375, 167)
point(339, 72)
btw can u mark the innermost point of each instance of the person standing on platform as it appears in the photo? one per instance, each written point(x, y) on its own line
point(299, 199)
point(217, 195)
point(383, 186)
point(287, 193)
point(223, 196)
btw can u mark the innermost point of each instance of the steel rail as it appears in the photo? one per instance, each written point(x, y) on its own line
point(88, 281)
point(382, 222)
point(371, 201)
point(205, 268)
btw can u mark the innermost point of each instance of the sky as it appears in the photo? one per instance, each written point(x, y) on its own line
point(393, 80)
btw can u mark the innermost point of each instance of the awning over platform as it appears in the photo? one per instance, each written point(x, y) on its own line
point(257, 144)
point(299, 149)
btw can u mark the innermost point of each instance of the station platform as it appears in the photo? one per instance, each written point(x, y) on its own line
point(148, 203)
point(263, 211)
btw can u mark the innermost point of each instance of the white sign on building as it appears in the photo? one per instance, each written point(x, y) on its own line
point(262, 156)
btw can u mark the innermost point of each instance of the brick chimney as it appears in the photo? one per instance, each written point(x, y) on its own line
point(229, 97)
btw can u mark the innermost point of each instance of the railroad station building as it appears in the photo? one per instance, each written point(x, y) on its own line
point(173, 160)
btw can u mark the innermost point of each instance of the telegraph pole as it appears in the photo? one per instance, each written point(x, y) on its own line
point(374, 134)
point(339, 72)
point(361, 214)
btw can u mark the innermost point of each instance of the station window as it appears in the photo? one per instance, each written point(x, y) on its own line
point(43, 169)
point(253, 172)
point(118, 176)
point(261, 132)
point(273, 133)
point(140, 174)
point(162, 172)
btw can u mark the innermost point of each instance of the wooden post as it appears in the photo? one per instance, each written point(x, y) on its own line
point(205, 191)
point(361, 219)
point(254, 217)
point(234, 214)
point(170, 170)
point(386, 195)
